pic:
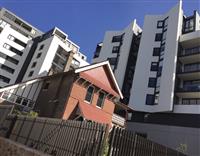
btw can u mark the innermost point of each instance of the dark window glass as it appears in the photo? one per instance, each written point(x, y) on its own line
point(41, 47)
point(34, 64)
point(4, 79)
point(112, 61)
point(115, 49)
point(158, 37)
point(159, 24)
point(8, 69)
point(156, 51)
point(159, 71)
point(100, 100)
point(12, 60)
point(150, 99)
point(38, 55)
point(152, 82)
point(154, 66)
point(117, 38)
point(89, 94)
point(30, 74)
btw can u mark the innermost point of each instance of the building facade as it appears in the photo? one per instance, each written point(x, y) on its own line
point(166, 86)
point(121, 48)
point(26, 52)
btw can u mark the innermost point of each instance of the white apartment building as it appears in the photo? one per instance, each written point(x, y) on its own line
point(53, 52)
point(14, 36)
point(120, 48)
point(166, 85)
point(26, 52)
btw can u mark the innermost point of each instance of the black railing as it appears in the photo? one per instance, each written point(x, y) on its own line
point(190, 51)
point(190, 88)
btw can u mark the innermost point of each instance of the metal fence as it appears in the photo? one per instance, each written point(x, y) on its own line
point(77, 138)
point(58, 137)
point(127, 143)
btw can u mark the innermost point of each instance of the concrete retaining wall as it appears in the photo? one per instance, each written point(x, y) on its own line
point(10, 148)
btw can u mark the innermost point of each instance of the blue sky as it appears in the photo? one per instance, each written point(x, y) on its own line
point(85, 21)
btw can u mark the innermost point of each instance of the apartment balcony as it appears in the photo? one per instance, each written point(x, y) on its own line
point(17, 100)
point(191, 72)
point(190, 40)
point(189, 91)
point(118, 120)
point(190, 55)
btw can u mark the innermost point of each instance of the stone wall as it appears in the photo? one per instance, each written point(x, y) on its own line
point(10, 148)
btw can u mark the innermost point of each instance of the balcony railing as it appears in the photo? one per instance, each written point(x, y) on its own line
point(190, 88)
point(16, 99)
point(118, 120)
point(190, 51)
point(190, 68)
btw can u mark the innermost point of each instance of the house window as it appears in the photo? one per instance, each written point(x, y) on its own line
point(159, 24)
point(38, 55)
point(33, 65)
point(152, 82)
point(156, 51)
point(101, 99)
point(150, 99)
point(30, 74)
point(41, 47)
point(89, 94)
point(154, 66)
point(115, 49)
point(158, 37)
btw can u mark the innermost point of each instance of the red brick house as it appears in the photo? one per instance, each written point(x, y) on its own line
point(85, 93)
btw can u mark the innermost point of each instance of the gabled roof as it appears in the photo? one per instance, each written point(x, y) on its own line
point(105, 64)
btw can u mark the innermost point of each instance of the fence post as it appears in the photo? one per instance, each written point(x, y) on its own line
point(111, 140)
point(135, 144)
point(30, 131)
point(104, 139)
point(11, 126)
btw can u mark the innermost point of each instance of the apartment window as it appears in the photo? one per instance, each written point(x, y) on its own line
point(8, 69)
point(150, 99)
point(159, 71)
point(189, 25)
point(112, 60)
point(1, 29)
point(12, 60)
point(115, 49)
point(152, 82)
point(34, 64)
point(41, 47)
point(6, 46)
point(158, 37)
point(117, 38)
point(30, 74)
point(101, 99)
point(12, 38)
point(4, 79)
point(154, 66)
point(8, 58)
point(156, 51)
point(160, 24)
point(38, 55)
point(46, 86)
point(89, 94)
